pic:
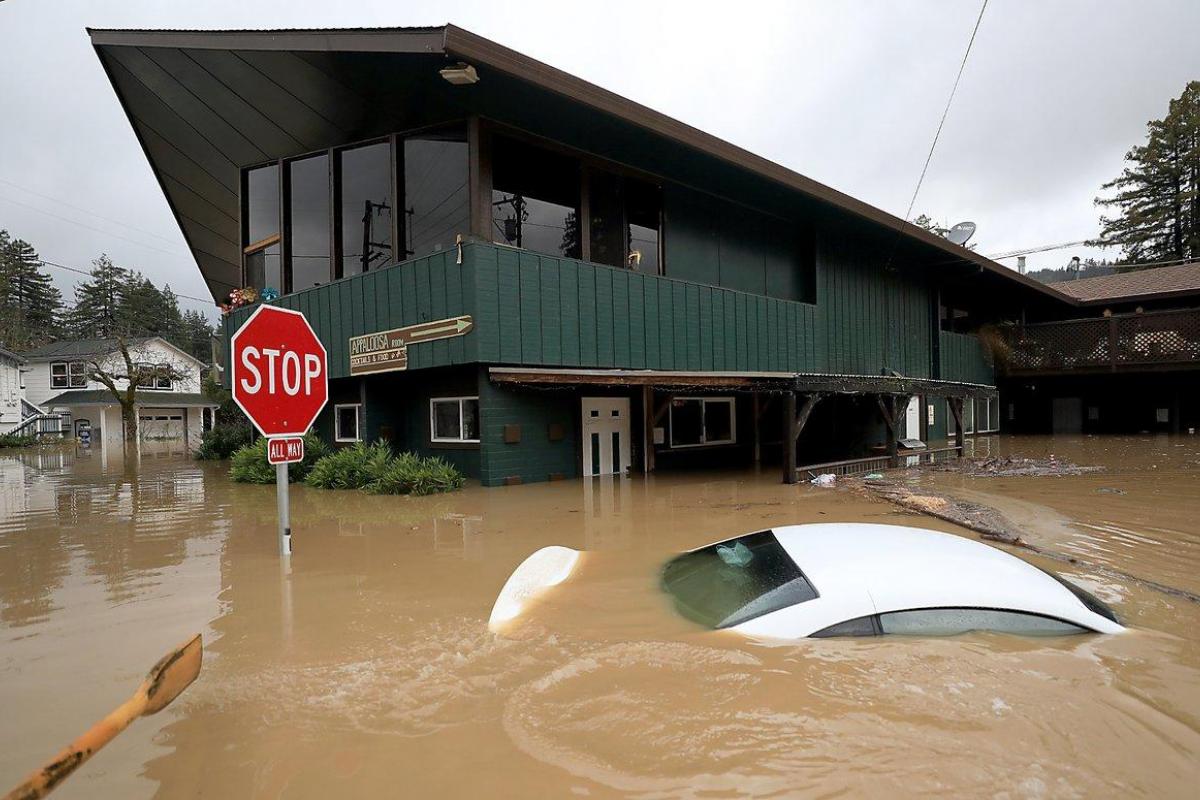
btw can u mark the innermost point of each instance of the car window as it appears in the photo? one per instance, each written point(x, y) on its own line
point(734, 581)
point(952, 621)
point(862, 626)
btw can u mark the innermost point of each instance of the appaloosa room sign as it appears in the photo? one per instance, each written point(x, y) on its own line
point(387, 351)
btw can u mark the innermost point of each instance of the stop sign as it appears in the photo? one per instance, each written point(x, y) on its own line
point(279, 371)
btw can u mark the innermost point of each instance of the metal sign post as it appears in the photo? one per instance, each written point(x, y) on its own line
point(281, 499)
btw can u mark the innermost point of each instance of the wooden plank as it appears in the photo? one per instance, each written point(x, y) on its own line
point(666, 325)
point(621, 321)
point(456, 307)
point(569, 322)
point(648, 429)
point(790, 434)
point(679, 332)
point(588, 351)
point(439, 352)
point(654, 358)
point(508, 295)
point(637, 320)
point(706, 327)
point(483, 290)
point(529, 307)
point(551, 321)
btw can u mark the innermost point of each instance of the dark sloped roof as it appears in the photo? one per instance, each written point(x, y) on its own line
point(146, 399)
point(222, 144)
point(1179, 280)
point(10, 354)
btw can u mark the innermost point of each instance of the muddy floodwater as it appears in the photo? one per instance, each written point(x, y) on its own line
point(367, 670)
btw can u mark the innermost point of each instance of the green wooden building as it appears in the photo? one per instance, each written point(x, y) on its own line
point(538, 279)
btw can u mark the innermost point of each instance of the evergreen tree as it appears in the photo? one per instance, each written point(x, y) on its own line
point(30, 304)
point(98, 300)
point(196, 336)
point(145, 310)
point(1157, 196)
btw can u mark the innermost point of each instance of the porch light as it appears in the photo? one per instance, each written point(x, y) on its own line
point(460, 74)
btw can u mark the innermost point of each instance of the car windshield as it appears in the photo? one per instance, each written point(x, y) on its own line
point(734, 581)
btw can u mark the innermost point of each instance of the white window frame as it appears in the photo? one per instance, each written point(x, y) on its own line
point(70, 374)
point(337, 422)
point(433, 419)
point(728, 400)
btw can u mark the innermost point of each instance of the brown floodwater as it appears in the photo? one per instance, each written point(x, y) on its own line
point(367, 670)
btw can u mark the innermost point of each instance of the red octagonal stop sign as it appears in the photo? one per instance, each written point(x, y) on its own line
point(279, 371)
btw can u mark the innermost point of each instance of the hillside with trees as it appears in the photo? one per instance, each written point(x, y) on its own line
point(111, 301)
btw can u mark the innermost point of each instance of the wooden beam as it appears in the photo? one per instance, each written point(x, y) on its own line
point(757, 428)
point(790, 434)
point(802, 417)
point(647, 429)
point(956, 409)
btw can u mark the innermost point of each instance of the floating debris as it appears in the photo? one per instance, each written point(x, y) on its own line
point(1014, 466)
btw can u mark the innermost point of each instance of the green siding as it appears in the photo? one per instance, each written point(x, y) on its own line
point(543, 311)
point(965, 359)
point(535, 457)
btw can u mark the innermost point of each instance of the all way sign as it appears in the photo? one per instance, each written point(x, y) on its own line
point(285, 450)
point(387, 351)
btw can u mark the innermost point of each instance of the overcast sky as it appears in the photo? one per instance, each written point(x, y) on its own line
point(847, 93)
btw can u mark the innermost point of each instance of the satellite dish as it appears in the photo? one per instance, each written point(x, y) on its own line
point(961, 233)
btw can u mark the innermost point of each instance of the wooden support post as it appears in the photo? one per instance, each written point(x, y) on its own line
point(757, 430)
point(790, 433)
point(647, 429)
point(956, 409)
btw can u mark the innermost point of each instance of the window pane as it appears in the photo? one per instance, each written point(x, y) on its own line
point(366, 213)
point(347, 423)
point(436, 197)
point(862, 626)
point(309, 215)
point(470, 419)
point(446, 419)
point(58, 369)
point(994, 413)
point(737, 580)
point(718, 421)
point(687, 422)
point(535, 198)
point(968, 415)
point(643, 205)
point(607, 207)
point(78, 374)
point(953, 621)
point(262, 221)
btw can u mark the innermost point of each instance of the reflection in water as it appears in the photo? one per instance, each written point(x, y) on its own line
point(368, 670)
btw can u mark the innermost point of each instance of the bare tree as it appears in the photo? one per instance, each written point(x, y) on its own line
point(129, 370)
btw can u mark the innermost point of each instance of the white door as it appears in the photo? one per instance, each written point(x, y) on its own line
point(912, 419)
point(606, 449)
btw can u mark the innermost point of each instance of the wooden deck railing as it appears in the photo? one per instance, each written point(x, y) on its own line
point(1122, 341)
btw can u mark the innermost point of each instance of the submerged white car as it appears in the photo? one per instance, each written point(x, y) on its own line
point(848, 579)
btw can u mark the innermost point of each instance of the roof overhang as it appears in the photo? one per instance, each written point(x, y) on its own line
point(204, 104)
point(819, 383)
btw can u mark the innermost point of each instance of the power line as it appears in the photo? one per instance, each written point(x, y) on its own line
point(210, 303)
point(950, 100)
point(90, 227)
point(85, 211)
point(1041, 248)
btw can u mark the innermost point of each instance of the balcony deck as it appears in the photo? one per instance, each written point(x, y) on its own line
point(1157, 340)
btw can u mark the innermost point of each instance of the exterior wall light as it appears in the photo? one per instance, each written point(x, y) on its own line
point(460, 74)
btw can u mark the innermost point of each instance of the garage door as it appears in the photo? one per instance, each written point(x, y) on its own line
point(162, 424)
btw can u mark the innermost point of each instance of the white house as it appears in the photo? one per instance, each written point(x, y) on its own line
point(10, 390)
point(170, 409)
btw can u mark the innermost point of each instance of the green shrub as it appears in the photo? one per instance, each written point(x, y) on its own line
point(411, 474)
point(250, 461)
point(223, 439)
point(354, 467)
point(9, 440)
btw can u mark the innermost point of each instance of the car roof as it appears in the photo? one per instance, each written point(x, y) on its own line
point(860, 569)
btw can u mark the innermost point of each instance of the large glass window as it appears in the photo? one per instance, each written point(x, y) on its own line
point(535, 198)
point(365, 197)
point(736, 580)
point(697, 421)
point(345, 422)
point(308, 220)
point(436, 191)
point(262, 228)
point(624, 215)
